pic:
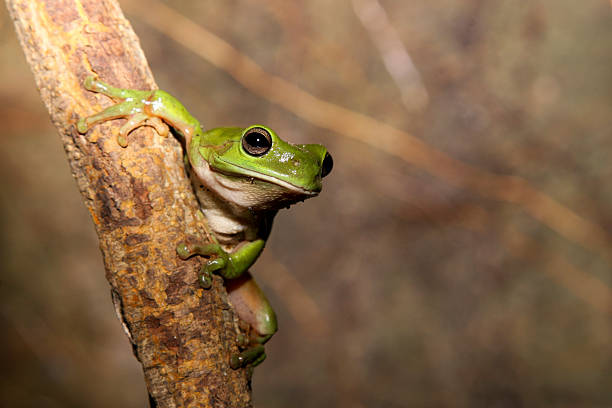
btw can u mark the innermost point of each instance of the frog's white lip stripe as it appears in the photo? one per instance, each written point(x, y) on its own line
point(269, 179)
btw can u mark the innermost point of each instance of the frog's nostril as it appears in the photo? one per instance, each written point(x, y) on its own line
point(327, 165)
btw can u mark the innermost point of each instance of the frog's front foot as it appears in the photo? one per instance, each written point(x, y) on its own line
point(132, 106)
point(186, 250)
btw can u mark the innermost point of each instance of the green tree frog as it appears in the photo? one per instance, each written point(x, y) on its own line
point(242, 177)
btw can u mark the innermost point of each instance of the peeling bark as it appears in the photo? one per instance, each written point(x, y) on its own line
point(141, 203)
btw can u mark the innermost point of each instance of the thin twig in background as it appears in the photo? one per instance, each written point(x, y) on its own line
point(396, 58)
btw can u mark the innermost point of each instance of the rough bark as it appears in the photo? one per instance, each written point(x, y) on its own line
point(140, 201)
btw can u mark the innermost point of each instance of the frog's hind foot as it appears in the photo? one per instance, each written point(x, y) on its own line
point(254, 356)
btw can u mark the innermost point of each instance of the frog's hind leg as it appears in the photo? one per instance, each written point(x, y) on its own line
point(254, 308)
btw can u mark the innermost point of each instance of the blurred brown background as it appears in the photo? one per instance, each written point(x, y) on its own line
point(399, 286)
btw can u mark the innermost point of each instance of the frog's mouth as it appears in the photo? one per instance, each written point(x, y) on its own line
point(245, 174)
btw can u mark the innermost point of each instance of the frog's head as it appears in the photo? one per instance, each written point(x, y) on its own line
point(255, 168)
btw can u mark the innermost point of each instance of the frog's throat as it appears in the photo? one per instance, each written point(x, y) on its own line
point(243, 172)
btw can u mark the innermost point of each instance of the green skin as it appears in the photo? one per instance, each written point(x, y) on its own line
point(242, 177)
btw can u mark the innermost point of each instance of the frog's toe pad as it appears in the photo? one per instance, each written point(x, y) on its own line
point(183, 250)
point(82, 126)
point(205, 280)
point(236, 361)
point(90, 83)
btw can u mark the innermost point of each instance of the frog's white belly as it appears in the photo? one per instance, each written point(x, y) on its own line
point(220, 223)
point(231, 224)
point(228, 230)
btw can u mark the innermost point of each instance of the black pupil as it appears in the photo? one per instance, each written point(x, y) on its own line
point(256, 142)
point(327, 165)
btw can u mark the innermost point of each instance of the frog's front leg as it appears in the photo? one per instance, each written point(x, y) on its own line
point(131, 107)
point(140, 108)
point(228, 265)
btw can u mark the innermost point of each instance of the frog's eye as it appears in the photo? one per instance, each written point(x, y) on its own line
point(256, 141)
point(326, 166)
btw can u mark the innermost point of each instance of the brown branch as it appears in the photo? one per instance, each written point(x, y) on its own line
point(140, 201)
